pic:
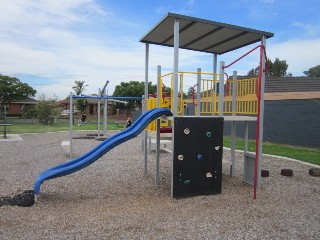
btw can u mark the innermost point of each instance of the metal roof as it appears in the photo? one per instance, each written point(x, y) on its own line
point(202, 35)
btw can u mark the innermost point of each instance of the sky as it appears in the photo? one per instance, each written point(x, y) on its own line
point(50, 44)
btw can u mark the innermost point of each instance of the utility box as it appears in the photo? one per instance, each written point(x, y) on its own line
point(197, 156)
point(249, 159)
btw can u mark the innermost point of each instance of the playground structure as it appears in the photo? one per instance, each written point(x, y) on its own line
point(216, 97)
point(197, 140)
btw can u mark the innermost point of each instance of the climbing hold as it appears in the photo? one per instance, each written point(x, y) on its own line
point(208, 175)
point(287, 172)
point(180, 157)
point(199, 156)
point(187, 182)
point(208, 134)
point(217, 148)
point(264, 173)
point(186, 131)
point(315, 172)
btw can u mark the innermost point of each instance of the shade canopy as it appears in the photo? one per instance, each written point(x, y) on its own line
point(202, 35)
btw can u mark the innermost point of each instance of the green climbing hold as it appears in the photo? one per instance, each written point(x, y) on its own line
point(187, 182)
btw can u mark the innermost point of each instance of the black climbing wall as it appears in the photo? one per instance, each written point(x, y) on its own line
point(197, 163)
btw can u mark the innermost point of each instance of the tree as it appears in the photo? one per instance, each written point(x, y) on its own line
point(79, 87)
point(29, 111)
point(313, 72)
point(191, 92)
point(11, 89)
point(278, 68)
point(47, 111)
point(132, 89)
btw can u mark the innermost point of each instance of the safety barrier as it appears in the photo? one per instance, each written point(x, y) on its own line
point(240, 95)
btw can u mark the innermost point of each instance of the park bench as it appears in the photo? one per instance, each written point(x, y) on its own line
point(5, 130)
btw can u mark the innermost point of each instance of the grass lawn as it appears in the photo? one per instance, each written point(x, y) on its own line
point(37, 128)
point(303, 154)
point(299, 153)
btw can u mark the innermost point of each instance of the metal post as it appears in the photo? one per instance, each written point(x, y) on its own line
point(146, 94)
point(71, 120)
point(99, 101)
point(234, 93)
point(215, 62)
point(175, 92)
point(260, 143)
point(105, 117)
point(175, 68)
point(198, 91)
point(159, 86)
point(221, 89)
point(105, 109)
point(233, 148)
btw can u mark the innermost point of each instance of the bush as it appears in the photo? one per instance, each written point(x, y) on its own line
point(47, 111)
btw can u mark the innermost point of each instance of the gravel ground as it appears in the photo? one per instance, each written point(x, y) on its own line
point(112, 199)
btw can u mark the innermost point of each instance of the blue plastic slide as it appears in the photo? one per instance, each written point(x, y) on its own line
point(90, 157)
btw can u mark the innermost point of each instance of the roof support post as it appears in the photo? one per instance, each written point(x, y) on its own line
point(175, 67)
point(198, 107)
point(263, 77)
point(221, 89)
point(215, 62)
point(144, 109)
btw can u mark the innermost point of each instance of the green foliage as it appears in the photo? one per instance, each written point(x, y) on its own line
point(79, 87)
point(47, 111)
point(278, 68)
point(81, 105)
point(132, 89)
point(29, 111)
point(11, 89)
point(313, 72)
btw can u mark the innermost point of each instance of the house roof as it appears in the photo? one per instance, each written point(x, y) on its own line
point(292, 84)
point(202, 35)
point(26, 101)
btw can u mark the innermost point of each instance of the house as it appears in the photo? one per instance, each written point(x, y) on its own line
point(16, 108)
point(91, 109)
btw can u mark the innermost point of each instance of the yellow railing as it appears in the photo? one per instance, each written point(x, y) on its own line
point(246, 96)
point(244, 102)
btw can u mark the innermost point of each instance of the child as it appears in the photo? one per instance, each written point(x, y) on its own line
point(128, 124)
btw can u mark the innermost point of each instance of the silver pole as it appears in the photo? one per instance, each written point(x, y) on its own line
point(198, 91)
point(175, 68)
point(234, 93)
point(146, 94)
point(233, 125)
point(263, 77)
point(221, 88)
point(71, 121)
point(215, 62)
point(175, 88)
point(99, 101)
point(105, 116)
point(158, 126)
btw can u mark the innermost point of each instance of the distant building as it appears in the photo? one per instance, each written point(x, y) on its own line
point(15, 108)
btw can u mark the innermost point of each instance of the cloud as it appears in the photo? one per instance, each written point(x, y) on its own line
point(310, 30)
point(299, 54)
